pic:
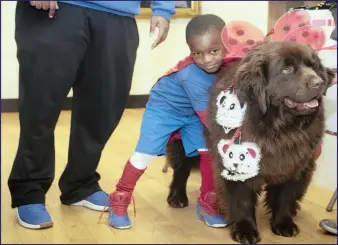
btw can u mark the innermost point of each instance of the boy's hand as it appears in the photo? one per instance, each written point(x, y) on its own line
point(163, 25)
point(46, 5)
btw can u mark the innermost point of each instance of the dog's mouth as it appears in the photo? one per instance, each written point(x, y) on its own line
point(302, 106)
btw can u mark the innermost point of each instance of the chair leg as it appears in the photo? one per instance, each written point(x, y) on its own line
point(165, 168)
point(332, 202)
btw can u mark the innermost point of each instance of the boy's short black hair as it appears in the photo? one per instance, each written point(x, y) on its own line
point(202, 24)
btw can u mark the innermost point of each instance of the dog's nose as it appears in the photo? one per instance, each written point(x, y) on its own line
point(316, 83)
point(235, 165)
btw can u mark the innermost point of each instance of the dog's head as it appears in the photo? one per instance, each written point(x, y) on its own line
point(283, 74)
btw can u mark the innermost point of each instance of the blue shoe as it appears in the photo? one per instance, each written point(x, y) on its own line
point(34, 216)
point(118, 215)
point(98, 201)
point(207, 211)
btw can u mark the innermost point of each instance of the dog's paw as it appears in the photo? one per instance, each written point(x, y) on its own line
point(286, 227)
point(245, 232)
point(178, 199)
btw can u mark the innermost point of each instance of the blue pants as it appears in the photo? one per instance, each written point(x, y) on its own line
point(158, 125)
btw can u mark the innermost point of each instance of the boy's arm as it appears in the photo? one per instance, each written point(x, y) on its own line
point(203, 117)
point(164, 9)
point(199, 97)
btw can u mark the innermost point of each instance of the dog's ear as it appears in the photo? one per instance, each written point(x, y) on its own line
point(253, 149)
point(331, 75)
point(251, 80)
point(223, 146)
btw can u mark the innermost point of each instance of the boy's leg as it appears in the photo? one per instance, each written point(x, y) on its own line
point(99, 98)
point(121, 197)
point(49, 52)
point(207, 203)
point(156, 129)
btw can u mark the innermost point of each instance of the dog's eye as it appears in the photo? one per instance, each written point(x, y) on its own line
point(288, 69)
point(231, 155)
point(310, 63)
point(232, 106)
point(241, 157)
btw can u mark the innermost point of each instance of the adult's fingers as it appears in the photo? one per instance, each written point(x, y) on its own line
point(38, 4)
point(160, 37)
point(45, 5)
point(53, 6)
point(153, 23)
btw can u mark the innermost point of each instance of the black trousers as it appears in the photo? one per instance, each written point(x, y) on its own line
point(92, 52)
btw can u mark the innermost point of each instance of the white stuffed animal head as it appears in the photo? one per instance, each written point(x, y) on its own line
point(230, 113)
point(240, 161)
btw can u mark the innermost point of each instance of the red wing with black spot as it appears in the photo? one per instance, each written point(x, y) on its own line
point(240, 36)
point(289, 22)
point(313, 36)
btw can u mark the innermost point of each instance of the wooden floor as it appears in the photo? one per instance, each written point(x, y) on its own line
point(155, 222)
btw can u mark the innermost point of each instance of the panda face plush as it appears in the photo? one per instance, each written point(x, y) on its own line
point(230, 113)
point(240, 161)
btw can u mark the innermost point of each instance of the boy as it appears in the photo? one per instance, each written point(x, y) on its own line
point(178, 101)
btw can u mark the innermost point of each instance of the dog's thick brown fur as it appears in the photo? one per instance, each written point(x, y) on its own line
point(287, 137)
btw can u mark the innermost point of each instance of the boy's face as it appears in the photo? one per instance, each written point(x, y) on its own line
point(207, 50)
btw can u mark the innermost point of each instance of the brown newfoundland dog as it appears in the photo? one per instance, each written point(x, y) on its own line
point(279, 86)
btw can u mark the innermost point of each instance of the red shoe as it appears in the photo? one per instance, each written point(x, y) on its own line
point(118, 216)
point(207, 210)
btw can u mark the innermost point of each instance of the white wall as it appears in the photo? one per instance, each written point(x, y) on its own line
point(9, 64)
point(150, 64)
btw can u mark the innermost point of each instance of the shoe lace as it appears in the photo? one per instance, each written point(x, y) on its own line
point(210, 206)
point(120, 207)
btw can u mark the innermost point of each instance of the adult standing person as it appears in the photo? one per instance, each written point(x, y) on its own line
point(89, 46)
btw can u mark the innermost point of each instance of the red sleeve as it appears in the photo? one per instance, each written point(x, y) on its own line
point(203, 117)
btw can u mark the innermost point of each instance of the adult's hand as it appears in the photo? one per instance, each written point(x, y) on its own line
point(52, 6)
point(163, 27)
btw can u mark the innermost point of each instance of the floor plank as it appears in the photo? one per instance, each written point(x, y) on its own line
point(155, 222)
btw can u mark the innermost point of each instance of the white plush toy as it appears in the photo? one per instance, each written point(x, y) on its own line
point(229, 113)
point(240, 161)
